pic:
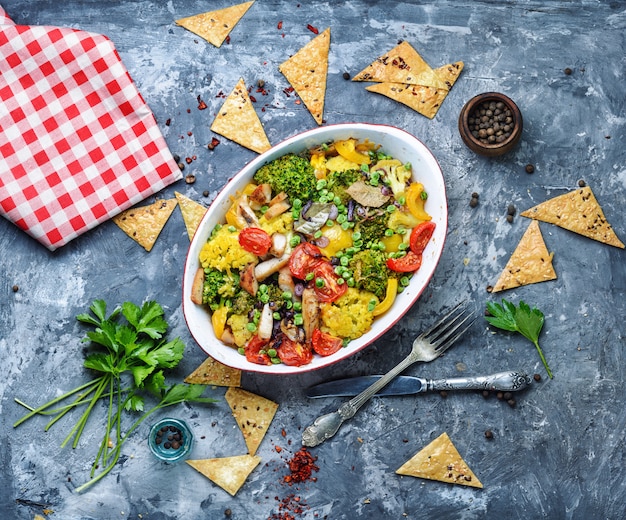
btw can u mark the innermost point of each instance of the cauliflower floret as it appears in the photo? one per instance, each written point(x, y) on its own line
point(238, 324)
point(349, 316)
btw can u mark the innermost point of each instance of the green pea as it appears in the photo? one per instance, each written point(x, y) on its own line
point(391, 208)
point(276, 316)
point(388, 232)
point(405, 281)
point(298, 319)
point(318, 234)
point(403, 246)
point(271, 352)
point(371, 305)
point(294, 240)
point(251, 327)
point(356, 235)
point(275, 360)
point(232, 229)
point(286, 295)
point(423, 195)
point(402, 200)
point(350, 282)
point(320, 184)
point(319, 282)
point(309, 277)
point(345, 225)
point(242, 351)
point(297, 204)
point(340, 281)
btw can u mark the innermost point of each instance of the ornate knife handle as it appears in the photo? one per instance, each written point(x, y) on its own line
point(505, 381)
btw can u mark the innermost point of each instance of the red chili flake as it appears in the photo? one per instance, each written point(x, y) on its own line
point(302, 465)
point(214, 142)
point(312, 29)
point(228, 39)
point(201, 104)
point(168, 122)
point(253, 99)
point(283, 432)
point(280, 25)
point(188, 160)
point(190, 133)
point(278, 449)
point(189, 110)
point(194, 157)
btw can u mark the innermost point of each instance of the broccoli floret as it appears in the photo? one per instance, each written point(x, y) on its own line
point(243, 303)
point(373, 227)
point(370, 271)
point(290, 173)
point(338, 181)
point(218, 286)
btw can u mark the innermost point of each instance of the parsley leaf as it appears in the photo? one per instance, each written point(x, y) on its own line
point(523, 319)
point(129, 356)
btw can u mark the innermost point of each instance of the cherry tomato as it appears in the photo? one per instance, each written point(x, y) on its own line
point(420, 236)
point(406, 264)
point(304, 259)
point(293, 353)
point(325, 283)
point(255, 241)
point(325, 344)
point(253, 351)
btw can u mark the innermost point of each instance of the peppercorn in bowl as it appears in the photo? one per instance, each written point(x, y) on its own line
point(315, 249)
point(490, 124)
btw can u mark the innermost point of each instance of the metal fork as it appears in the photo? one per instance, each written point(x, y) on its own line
point(427, 346)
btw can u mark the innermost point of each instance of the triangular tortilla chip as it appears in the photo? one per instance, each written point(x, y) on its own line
point(530, 262)
point(422, 99)
point(192, 213)
point(215, 26)
point(441, 461)
point(238, 121)
point(143, 224)
point(402, 64)
point(307, 71)
point(253, 414)
point(229, 473)
point(577, 211)
point(212, 372)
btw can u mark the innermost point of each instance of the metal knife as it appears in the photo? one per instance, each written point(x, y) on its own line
point(510, 381)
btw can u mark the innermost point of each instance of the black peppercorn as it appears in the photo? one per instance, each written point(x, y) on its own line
point(488, 434)
point(530, 168)
point(346, 76)
point(537, 377)
point(567, 71)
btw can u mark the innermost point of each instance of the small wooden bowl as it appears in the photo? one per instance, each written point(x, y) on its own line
point(482, 146)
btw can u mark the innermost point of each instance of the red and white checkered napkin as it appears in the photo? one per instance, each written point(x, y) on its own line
point(78, 144)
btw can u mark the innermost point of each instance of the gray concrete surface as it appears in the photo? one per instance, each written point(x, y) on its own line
point(559, 454)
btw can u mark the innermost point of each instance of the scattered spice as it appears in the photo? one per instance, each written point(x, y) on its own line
point(582, 183)
point(201, 104)
point(190, 179)
point(279, 26)
point(302, 465)
point(15, 288)
point(537, 377)
point(346, 76)
point(474, 200)
point(488, 434)
point(168, 122)
point(567, 71)
point(181, 166)
point(314, 30)
point(214, 142)
point(530, 168)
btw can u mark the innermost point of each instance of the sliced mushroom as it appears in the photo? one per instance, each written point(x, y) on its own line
point(266, 323)
point(277, 209)
point(227, 337)
point(310, 312)
point(197, 287)
point(245, 211)
point(261, 196)
point(285, 280)
point(279, 244)
point(248, 279)
point(269, 267)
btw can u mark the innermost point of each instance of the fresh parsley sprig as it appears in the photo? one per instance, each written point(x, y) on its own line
point(130, 357)
point(528, 322)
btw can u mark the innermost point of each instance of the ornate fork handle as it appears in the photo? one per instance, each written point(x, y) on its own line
point(325, 426)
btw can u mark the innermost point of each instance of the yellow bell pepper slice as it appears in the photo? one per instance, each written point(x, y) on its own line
point(339, 239)
point(347, 149)
point(392, 243)
point(218, 320)
point(390, 297)
point(415, 202)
